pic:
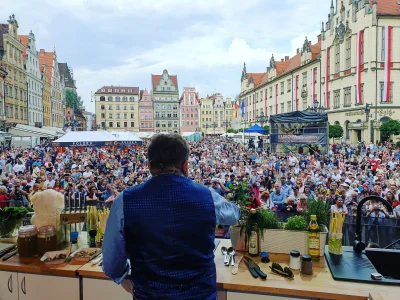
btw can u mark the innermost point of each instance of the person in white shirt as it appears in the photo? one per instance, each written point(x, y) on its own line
point(339, 207)
point(19, 167)
point(49, 183)
point(86, 175)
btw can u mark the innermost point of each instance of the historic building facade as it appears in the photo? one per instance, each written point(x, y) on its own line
point(146, 112)
point(292, 83)
point(117, 108)
point(34, 80)
point(11, 51)
point(361, 65)
point(189, 110)
point(57, 107)
point(216, 114)
point(46, 94)
point(165, 97)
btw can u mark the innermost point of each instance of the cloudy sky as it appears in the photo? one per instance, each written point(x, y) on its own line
point(204, 42)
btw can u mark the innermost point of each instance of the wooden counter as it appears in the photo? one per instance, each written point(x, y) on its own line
point(320, 285)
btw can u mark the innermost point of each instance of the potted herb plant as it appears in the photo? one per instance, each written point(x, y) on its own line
point(10, 219)
point(294, 234)
point(260, 218)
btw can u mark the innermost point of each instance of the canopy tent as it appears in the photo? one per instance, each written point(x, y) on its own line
point(85, 139)
point(26, 130)
point(299, 117)
point(125, 138)
point(256, 129)
point(144, 135)
point(192, 136)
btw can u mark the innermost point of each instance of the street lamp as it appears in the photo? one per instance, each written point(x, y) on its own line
point(262, 119)
point(317, 107)
point(367, 111)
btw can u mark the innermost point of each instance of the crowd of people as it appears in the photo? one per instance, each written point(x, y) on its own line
point(281, 182)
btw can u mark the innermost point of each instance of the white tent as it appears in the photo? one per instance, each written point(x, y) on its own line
point(26, 130)
point(126, 138)
point(86, 139)
point(144, 135)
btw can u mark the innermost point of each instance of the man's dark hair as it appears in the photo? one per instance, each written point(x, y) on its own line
point(166, 150)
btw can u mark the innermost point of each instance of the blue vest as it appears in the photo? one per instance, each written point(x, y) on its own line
point(170, 229)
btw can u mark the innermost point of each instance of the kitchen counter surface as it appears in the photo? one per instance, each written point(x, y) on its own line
point(320, 285)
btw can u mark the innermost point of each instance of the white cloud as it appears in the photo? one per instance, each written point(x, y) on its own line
point(204, 42)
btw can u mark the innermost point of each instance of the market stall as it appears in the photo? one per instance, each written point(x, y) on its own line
point(192, 136)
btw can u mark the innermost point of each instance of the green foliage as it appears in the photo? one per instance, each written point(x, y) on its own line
point(335, 131)
point(72, 99)
point(261, 219)
point(10, 219)
point(398, 145)
point(13, 213)
point(390, 127)
point(230, 130)
point(239, 194)
point(320, 209)
point(296, 223)
point(266, 127)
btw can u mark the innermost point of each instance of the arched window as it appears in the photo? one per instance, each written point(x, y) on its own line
point(162, 106)
point(110, 98)
point(157, 106)
point(125, 99)
point(102, 98)
point(385, 119)
point(118, 99)
point(175, 107)
point(132, 99)
point(169, 106)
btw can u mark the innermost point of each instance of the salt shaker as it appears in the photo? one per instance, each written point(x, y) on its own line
point(294, 263)
point(306, 264)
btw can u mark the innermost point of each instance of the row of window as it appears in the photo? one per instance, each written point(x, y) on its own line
point(166, 106)
point(117, 124)
point(189, 116)
point(347, 96)
point(103, 90)
point(15, 93)
point(146, 117)
point(118, 107)
point(16, 112)
point(146, 125)
point(117, 99)
point(117, 116)
point(164, 99)
point(164, 114)
point(166, 124)
point(189, 123)
point(189, 108)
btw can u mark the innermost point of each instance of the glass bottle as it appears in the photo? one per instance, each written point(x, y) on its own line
point(253, 243)
point(313, 239)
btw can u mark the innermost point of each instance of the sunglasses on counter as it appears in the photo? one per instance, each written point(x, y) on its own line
point(285, 272)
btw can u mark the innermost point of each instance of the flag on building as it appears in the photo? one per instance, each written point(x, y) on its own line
point(388, 63)
point(242, 108)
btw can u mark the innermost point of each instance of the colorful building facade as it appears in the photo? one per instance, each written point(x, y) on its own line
point(146, 113)
point(189, 110)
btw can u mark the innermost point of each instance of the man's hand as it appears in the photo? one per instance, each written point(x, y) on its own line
point(128, 286)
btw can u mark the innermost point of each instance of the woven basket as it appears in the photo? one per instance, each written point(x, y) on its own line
point(284, 241)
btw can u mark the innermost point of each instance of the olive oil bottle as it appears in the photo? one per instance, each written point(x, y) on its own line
point(313, 239)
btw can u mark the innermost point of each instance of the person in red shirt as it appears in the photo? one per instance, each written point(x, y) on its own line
point(254, 201)
point(374, 165)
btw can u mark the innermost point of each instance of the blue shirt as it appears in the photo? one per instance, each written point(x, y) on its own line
point(115, 257)
point(277, 197)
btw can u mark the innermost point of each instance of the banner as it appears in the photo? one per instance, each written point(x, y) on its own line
point(388, 63)
point(360, 37)
point(316, 138)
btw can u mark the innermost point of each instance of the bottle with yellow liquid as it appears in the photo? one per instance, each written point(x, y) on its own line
point(313, 239)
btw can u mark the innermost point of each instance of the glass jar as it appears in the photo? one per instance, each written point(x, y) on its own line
point(306, 265)
point(294, 262)
point(27, 241)
point(46, 239)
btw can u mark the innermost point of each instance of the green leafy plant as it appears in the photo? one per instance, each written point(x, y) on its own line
point(296, 223)
point(320, 209)
point(260, 219)
point(390, 127)
point(335, 131)
point(11, 218)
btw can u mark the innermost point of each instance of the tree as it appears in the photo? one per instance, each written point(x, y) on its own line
point(335, 131)
point(72, 99)
point(390, 127)
point(266, 127)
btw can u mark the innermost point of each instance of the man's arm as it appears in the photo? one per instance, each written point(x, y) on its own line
point(226, 213)
point(115, 258)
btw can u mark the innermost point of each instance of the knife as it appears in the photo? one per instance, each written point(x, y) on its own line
point(8, 250)
point(254, 269)
point(8, 256)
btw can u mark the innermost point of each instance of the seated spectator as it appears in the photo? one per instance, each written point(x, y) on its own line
point(302, 204)
point(35, 189)
point(254, 202)
point(266, 201)
point(277, 196)
point(289, 205)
